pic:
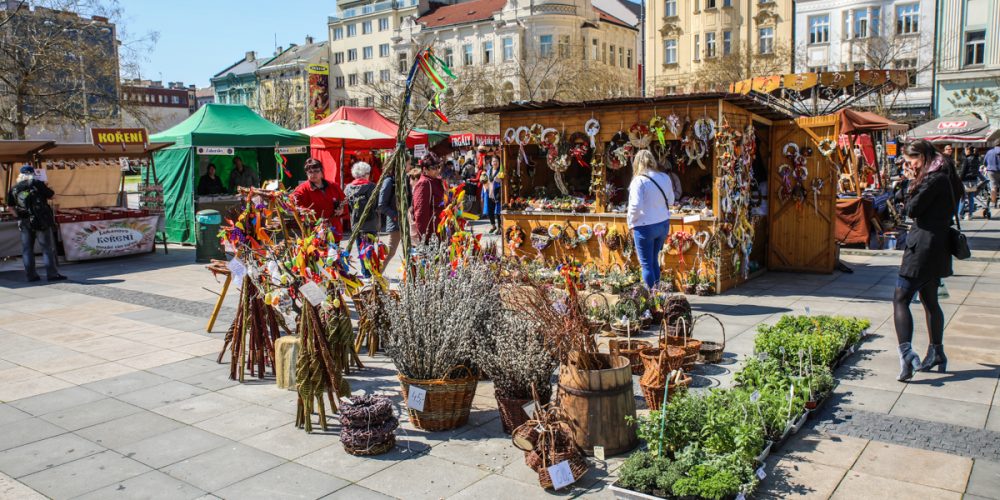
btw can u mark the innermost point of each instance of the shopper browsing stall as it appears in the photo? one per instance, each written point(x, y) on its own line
point(210, 183)
point(241, 176)
point(29, 201)
point(357, 193)
point(650, 195)
point(971, 179)
point(489, 181)
point(428, 195)
point(320, 195)
point(389, 214)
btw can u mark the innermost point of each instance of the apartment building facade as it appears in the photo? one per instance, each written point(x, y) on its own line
point(237, 84)
point(684, 36)
point(967, 58)
point(153, 106)
point(293, 85)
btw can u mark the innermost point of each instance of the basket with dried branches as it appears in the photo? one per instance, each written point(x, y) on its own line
point(547, 440)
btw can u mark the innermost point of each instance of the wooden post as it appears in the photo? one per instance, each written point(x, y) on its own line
point(218, 303)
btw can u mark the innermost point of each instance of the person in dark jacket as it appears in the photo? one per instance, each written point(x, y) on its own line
point(489, 182)
point(358, 192)
point(971, 178)
point(29, 199)
point(389, 213)
point(210, 184)
point(932, 198)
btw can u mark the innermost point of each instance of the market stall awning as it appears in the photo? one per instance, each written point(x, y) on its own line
point(955, 129)
point(433, 136)
point(371, 118)
point(858, 122)
point(230, 125)
point(817, 94)
point(350, 135)
point(21, 151)
point(84, 150)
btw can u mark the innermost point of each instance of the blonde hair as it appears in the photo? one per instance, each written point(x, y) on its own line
point(644, 162)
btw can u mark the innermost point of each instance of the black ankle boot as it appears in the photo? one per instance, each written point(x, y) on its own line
point(935, 357)
point(908, 362)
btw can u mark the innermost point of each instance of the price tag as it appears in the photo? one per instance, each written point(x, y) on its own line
point(755, 397)
point(760, 473)
point(599, 453)
point(415, 398)
point(228, 247)
point(41, 175)
point(807, 310)
point(237, 269)
point(762, 356)
point(791, 392)
point(561, 475)
point(692, 218)
point(313, 292)
point(741, 496)
point(529, 409)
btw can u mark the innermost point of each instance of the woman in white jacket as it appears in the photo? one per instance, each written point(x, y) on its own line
point(649, 198)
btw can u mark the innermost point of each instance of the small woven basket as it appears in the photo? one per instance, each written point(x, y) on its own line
point(512, 414)
point(448, 402)
point(654, 394)
point(711, 352)
point(632, 350)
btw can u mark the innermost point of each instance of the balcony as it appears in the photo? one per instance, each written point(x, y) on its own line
point(372, 8)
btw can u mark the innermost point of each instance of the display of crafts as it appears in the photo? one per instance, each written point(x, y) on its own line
point(794, 175)
point(563, 204)
point(736, 151)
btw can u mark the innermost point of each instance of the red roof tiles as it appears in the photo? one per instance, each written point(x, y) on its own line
point(462, 13)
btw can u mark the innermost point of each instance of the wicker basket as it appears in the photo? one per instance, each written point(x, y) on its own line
point(577, 464)
point(654, 394)
point(658, 362)
point(711, 352)
point(512, 414)
point(631, 349)
point(377, 449)
point(448, 402)
point(692, 347)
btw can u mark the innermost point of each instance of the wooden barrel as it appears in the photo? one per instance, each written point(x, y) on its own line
point(597, 403)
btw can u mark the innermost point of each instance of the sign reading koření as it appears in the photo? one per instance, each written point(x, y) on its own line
point(119, 136)
point(108, 238)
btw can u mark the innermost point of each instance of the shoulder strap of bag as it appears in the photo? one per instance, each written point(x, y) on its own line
point(658, 188)
point(954, 202)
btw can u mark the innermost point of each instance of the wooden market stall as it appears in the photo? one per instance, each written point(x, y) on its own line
point(567, 167)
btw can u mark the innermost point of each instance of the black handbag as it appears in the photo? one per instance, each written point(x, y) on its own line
point(958, 242)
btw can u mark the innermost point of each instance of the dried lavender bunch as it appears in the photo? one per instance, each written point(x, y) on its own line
point(440, 312)
point(514, 355)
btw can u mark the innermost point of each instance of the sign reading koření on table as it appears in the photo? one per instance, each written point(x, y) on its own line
point(98, 239)
point(119, 136)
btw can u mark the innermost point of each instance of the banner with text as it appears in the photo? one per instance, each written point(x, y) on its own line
point(108, 238)
point(319, 92)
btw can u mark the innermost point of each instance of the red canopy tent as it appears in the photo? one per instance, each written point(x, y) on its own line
point(328, 151)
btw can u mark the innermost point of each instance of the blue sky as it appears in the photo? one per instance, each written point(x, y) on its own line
point(201, 38)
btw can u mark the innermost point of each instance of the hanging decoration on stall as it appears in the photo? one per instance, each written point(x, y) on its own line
point(592, 127)
point(600, 231)
point(827, 147)
point(679, 242)
point(540, 240)
point(509, 136)
point(514, 236)
point(658, 125)
point(735, 150)
point(638, 136)
point(432, 67)
point(619, 151)
point(674, 124)
point(817, 188)
point(579, 149)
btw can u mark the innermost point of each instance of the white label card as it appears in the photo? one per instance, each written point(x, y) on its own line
point(760, 473)
point(237, 269)
point(561, 475)
point(599, 453)
point(692, 218)
point(415, 398)
point(741, 496)
point(529, 409)
point(755, 397)
point(313, 292)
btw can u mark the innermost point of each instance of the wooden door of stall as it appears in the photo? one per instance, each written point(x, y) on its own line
point(801, 232)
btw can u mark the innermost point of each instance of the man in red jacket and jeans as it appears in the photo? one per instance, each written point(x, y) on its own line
point(322, 196)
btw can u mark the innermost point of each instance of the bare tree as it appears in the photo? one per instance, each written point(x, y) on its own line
point(891, 51)
point(745, 62)
point(60, 68)
point(281, 102)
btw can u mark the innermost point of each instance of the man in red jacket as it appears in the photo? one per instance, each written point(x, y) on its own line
point(322, 196)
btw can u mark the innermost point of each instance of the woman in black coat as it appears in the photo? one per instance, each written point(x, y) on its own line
point(933, 194)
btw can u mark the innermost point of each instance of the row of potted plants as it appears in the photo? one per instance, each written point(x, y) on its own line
point(710, 445)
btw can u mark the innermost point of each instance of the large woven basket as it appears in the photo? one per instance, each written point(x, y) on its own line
point(512, 413)
point(654, 394)
point(631, 349)
point(377, 449)
point(448, 402)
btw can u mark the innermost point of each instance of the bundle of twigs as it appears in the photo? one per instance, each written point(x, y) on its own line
point(371, 318)
point(561, 320)
point(323, 358)
point(547, 439)
point(250, 338)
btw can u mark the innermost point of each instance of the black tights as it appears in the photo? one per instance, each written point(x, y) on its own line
point(902, 317)
point(493, 218)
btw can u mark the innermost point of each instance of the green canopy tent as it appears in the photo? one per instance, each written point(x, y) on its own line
point(232, 131)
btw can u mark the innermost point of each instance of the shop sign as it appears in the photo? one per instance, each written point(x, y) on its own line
point(119, 136)
point(890, 149)
point(291, 150)
point(319, 92)
point(420, 151)
point(469, 139)
point(108, 238)
point(215, 150)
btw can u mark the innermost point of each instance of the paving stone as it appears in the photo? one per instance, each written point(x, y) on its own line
point(857, 485)
point(334, 460)
point(173, 446)
point(941, 410)
point(84, 475)
point(21, 389)
point(832, 450)
point(246, 422)
point(491, 487)
point(129, 429)
point(9, 414)
point(13, 490)
point(27, 430)
point(201, 407)
point(154, 359)
point(929, 468)
point(288, 480)
point(46, 454)
point(795, 478)
point(429, 477)
point(124, 384)
point(57, 400)
point(152, 485)
point(290, 442)
point(355, 492)
point(187, 368)
point(162, 395)
point(95, 373)
point(863, 398)
point(984, 480)
point(213, 380)
point(223, 466)
point(479, 448)
point(89, 414)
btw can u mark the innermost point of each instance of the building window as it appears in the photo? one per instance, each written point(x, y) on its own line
point(367, 53)
point(384, 75)
point(354, 102)
point(352, 30)
point(621, 57)
point(709, 4)
point(386, 100)
point(628, 58)
point(369, 77)
point(866, 22)
point(910, 65)
point(545, 46)
point(341, 103)
point(508, 49)
point(727, 3)
point(338, 58)
point(670, 8)
point(975, 47)
point(366, 27)
point(383, 23)
point(604, 52)
point(697, 47)
point(352, 79)
point(564, 46)
point(370, 101)
point(352, 55)
point(449, 57)
point(404, 66)
point(467, 54)
point(487, 52)
point(338, 33)
point(819, 29)
point(710, 45)
point(611, 56)
point(670, 51)
point(383, 50)
point(907, 19)
point(727, 43)
point(595, 50)
point(765, 40)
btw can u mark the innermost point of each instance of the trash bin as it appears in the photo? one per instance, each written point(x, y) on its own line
point(207, 245)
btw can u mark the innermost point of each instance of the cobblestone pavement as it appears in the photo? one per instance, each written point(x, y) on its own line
point(109, 389)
